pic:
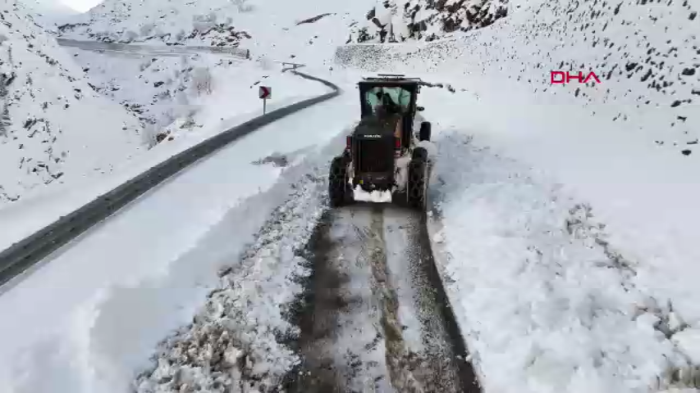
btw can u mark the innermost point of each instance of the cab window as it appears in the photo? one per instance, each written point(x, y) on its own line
point(398, 95)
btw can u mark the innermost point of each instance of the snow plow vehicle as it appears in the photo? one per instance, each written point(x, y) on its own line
point(385, 158)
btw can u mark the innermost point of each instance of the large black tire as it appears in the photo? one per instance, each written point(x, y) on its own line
point(419, 153)
point(425, 131)
point(417, 187)
point(338, 182)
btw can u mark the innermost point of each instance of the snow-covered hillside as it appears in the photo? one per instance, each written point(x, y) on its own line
point(300, 31)
point(49, 13)
point(184, 93)
point(428, 20)
point(155, 22)
point(54, 126)
point(646, 55)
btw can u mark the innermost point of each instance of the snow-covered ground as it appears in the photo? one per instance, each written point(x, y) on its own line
point(563, 215)
point(112, 297)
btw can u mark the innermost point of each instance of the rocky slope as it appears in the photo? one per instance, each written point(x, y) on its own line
point(427, 20)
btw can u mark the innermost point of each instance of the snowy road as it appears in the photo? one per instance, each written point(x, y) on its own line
point(376, 316)
point(152, 49)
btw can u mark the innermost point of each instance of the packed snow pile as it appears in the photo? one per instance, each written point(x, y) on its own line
point(173, 22)
point(427, 20)
point(54, 125)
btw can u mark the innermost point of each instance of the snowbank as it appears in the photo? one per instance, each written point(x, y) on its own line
point(234, 342)
point(546, 300)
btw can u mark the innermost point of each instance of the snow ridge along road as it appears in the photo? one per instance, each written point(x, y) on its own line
point(24, 254)
point(375, 316)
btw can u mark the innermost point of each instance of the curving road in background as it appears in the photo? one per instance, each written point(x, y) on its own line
point(157, 50)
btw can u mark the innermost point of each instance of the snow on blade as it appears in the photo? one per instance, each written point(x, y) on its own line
point(374, 196)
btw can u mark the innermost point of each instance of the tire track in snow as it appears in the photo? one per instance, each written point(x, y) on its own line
point(340, 341)
point(400, 363)
point(375, 317)
point(431, 330)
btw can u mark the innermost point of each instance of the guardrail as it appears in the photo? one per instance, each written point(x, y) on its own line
point(152, 49)
point(24, 254)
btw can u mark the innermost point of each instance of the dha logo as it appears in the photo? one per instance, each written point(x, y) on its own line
point(561, 77)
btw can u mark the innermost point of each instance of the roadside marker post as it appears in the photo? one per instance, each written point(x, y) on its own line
point(264, 93)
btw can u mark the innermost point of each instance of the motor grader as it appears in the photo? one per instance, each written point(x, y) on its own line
point(383, 154)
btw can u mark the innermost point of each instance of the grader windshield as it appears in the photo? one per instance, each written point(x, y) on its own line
point(392, 99)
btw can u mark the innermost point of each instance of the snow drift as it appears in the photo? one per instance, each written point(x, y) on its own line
point(54, 127)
